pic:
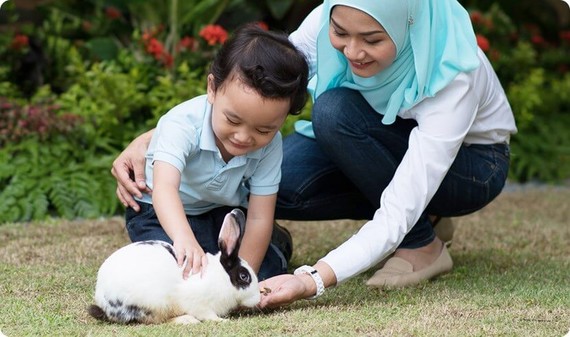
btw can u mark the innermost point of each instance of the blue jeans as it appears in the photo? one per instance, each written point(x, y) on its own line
point(144, 225)
point(342, 173)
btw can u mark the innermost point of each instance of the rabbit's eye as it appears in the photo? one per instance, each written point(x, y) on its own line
point(244, 277)
point(240, 277)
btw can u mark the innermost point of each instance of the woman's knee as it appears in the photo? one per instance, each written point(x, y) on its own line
point(332, 106)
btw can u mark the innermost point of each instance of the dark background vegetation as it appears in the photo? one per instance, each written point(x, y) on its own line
point(80, 79)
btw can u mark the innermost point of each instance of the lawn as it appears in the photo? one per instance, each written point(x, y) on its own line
point(511, 278)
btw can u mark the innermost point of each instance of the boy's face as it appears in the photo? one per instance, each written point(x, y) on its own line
point(242, 120)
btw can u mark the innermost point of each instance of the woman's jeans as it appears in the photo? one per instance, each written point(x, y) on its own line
point(342, 174)
point(144, 225)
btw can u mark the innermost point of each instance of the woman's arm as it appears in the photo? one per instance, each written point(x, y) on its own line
point(258, 229)
point(128, 168)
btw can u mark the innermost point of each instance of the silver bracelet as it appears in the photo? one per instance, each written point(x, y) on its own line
point(315, 276)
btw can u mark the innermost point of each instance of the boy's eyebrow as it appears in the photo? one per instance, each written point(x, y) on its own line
point(232, 115)
point(372, 32)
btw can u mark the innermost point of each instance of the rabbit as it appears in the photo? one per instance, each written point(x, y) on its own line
point(142, 282)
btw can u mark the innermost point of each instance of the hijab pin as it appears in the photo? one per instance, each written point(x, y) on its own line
point(410, 21)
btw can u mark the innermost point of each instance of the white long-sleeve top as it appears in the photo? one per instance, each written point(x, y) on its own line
point(472, 109)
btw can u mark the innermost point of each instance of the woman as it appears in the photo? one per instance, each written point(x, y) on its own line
point(409, 122)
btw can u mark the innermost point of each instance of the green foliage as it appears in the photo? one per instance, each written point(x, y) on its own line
point(541, 149)
point(170, 91)
point(49, 166)
point(533, 69)
point(109, 100)
point(526, 97)
point(115, 67)
point(280, 8)
point(58, 177)
point(289, 126)
point(180, 16)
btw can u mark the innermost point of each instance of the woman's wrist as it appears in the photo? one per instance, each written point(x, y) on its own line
point(316, 279)
point(310, 285)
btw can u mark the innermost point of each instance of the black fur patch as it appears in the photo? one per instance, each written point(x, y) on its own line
point(165, 245)
point(97, 313)
point(239, 275)
point(129, 314)
point(116, 304)
point(118, 312)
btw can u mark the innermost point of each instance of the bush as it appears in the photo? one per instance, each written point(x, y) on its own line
point(88, 77)
point(48, 167)
point(533, 69)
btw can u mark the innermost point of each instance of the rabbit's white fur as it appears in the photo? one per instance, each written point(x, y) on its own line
point(144, 280)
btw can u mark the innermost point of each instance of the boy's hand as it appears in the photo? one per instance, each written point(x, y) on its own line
point(190, 250)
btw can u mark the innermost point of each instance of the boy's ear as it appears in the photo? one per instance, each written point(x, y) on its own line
point(211, 89)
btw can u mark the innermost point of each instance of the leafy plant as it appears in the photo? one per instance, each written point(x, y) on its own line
point(541, 150)
point(533, 69)
point(110, 98)
point(171, 90)
point(53, 171)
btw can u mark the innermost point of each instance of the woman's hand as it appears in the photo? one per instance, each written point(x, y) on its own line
point(285, 289)
point(128, 169)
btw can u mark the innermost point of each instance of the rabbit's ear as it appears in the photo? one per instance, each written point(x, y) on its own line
point(231, 233)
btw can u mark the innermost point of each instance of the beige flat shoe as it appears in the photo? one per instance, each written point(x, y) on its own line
point(399, 273)
point(444, 229)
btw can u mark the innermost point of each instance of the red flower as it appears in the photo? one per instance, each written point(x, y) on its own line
point(146, 37)
point(482, 42)
point(187, 43)
point(167, 60)
point(112, 13)
point(537, 40)
point(19, 42)
point(476, 17)
point(262, 25)
point(154, 47)
point(214, 34)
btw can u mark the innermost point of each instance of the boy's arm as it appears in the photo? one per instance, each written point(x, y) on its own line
point(170, 212)
point(258, 229)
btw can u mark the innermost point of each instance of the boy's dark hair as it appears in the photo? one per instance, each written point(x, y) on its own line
point(265, 61)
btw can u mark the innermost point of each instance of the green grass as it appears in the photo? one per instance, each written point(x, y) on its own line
point(511, 278)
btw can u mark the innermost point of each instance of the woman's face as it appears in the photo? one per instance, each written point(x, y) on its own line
point(363, 41)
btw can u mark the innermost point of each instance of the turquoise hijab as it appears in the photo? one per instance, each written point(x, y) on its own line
point(434, 42)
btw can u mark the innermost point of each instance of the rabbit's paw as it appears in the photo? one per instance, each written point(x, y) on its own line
point(185, 320)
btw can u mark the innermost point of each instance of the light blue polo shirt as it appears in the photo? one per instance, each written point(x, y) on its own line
point(185, 139)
